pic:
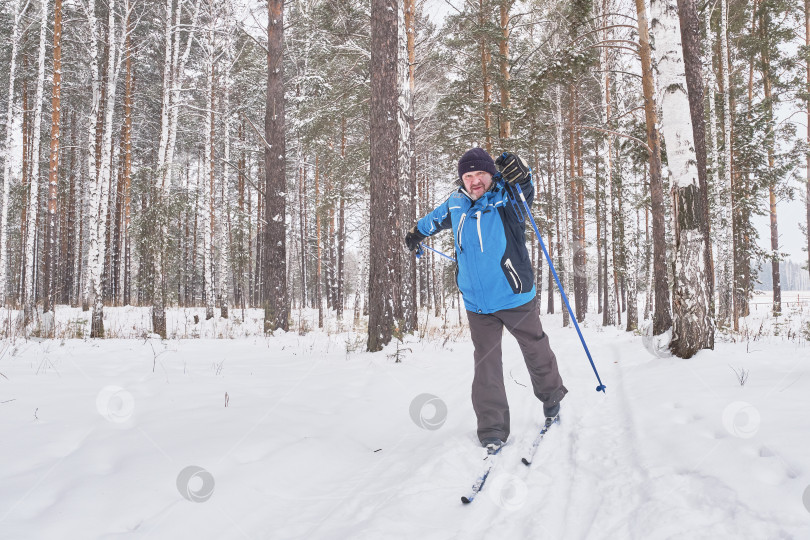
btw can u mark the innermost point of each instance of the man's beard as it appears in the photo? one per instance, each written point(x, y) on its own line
point(474, 197)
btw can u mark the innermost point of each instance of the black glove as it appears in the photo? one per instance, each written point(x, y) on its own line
point(512, 168)
point(413, 238)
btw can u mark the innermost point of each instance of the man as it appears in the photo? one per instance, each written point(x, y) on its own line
point(496, 280)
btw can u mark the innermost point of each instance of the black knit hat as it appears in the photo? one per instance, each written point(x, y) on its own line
point(476, 159)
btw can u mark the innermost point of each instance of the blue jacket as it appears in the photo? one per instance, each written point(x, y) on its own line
point(494, 269)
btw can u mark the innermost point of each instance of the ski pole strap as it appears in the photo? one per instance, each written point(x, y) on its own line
point(419, 252)
point(601, 387)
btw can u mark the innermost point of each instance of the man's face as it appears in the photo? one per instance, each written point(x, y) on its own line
point(477, 183)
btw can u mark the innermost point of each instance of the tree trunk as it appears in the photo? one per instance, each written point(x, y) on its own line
point(318, 243)
point(617, 240)
point(407, 158)
point(209, 177)
point(690, 37)
point(505, 131)
point(98, 239)
point(578, 256)
point(384, 237)
point(341, 240)
point(725, 251)
point(223, 233)
point(302, 224)
point(11, 163)
point(712, 170)
point(634, 263)
point(168, 32)
point(583, 253)
point(258, 289)
point(562, 189)
point(598, 210)
point(331, 255)
point(177, 80)
point(551, 239)
point(770, 142)
point(609, 270)
point(53, 173)
point(26, 178)
point(70, 216)
point(807, 167)
point(276, 298)
point(692, 319)
point(92, 149)
point(662, 320)
point(127, 179)
point(173, 77)
point(485, 57)
point(33, 194)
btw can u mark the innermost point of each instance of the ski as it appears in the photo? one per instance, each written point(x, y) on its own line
point(533, 448)
point(489, 463)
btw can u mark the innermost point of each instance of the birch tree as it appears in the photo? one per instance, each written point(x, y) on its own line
point(173, 77)
point(406, 150)
point(693, 65)
point(127, 167)
point(29, 295)
point(100, 192)
point(712, 167)
point(12, 161)
point(91, 184)
point(209, 176)
point(725, 251)
point(691, 321)
point(223, 232)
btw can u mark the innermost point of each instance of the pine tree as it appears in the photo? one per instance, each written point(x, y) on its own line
point(384, 240)
point(276, 297)
point(53, 172)
point(662, 320)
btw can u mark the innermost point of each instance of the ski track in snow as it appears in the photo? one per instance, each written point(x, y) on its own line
point(318, 443)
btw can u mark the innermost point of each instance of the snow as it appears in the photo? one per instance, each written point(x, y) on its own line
point(105, 438)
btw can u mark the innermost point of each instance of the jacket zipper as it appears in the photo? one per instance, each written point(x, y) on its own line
point(478, 219)
point(459, 229)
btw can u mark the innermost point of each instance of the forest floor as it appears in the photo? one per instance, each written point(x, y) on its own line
point(308, 437)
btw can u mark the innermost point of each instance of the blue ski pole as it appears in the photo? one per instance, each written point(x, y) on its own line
point(419, 252)
point(601, 387)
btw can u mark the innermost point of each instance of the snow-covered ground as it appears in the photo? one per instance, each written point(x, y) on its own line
point(309, 437)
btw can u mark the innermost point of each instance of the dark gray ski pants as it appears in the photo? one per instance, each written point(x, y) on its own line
point(488, 392)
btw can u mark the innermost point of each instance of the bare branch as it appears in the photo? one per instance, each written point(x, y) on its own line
point(252, 125)
point(611, 132)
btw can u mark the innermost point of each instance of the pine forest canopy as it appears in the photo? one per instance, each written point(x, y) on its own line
point(232, 153)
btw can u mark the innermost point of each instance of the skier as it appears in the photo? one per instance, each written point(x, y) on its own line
point(496, 280)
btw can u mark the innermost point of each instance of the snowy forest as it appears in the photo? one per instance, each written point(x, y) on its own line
point(234, 154)
point(211, 326)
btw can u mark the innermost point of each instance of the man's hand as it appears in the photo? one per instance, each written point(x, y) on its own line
point(413, 238)
point(512, 168)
